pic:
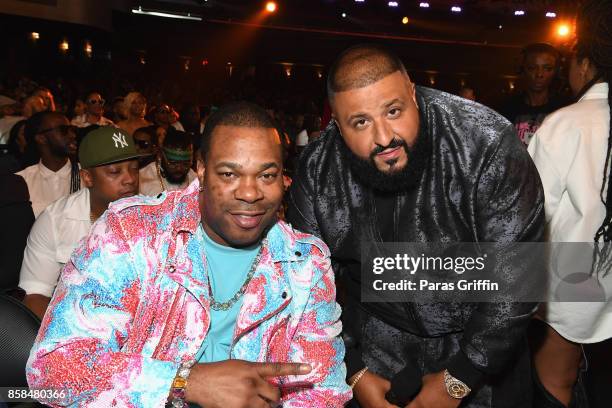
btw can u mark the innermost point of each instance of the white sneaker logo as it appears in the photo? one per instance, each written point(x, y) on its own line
point(119, 139)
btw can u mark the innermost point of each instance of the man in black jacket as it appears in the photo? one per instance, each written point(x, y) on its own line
point(401, 163)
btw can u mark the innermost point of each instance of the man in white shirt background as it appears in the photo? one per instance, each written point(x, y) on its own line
point(94, 112)
point(172, 169)
point(109, 161)
point(53, 176)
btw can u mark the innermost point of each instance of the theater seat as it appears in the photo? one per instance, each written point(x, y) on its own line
point(18, 329)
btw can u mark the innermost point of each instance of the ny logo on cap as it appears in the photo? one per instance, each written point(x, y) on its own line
point(119, 139)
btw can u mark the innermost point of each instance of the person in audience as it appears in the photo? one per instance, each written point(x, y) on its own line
point(32, 105)
point(146, 143)
point(201, 296)
point(135, 107)
point(163, 116)
point(11, 157)
point(79, 108)
point(109, 170)
point(53, 176)
point(191, 120)
point(94, 112)
point(47, 97)
point(401, 163)
point(117, 113)
point(172, 169)
point(527, 110)
point(572, 152)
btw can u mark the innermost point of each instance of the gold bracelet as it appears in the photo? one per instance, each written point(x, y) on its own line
point(360, 374)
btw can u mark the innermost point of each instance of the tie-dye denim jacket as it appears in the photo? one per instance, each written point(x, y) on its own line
point(133, 303)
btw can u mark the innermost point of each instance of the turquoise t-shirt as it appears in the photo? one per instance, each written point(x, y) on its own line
point(227, 270)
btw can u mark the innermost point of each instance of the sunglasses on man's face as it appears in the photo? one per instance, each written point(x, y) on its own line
point(63, 129)
point(96, 102)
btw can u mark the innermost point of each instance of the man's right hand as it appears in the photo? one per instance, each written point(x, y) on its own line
point(238, 383)
point(370, 391)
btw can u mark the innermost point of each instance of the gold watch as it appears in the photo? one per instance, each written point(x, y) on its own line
point(455, 388)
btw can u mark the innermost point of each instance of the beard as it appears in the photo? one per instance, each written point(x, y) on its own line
point(59, 150)
point(174, 178)
point(394, 180)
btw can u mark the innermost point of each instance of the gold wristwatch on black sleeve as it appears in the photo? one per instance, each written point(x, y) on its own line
point(455, 388)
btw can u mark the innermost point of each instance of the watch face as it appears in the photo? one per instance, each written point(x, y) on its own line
point(457, 390)
point(454, 387)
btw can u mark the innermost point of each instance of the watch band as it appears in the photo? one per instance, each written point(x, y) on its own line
point(177, 391)
point(455, 388)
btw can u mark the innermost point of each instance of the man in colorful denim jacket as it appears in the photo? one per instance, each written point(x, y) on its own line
point(198, 296)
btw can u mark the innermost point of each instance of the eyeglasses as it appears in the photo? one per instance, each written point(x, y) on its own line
point(63, 129)
point(96, 102)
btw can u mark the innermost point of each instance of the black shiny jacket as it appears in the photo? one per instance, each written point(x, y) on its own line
point(480, 185)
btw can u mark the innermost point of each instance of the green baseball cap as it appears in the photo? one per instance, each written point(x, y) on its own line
point(107, 145)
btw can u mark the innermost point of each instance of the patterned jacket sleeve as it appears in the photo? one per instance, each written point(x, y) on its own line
point(80, 345)
point(318, 342)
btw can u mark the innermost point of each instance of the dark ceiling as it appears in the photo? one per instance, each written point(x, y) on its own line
point(479, 20)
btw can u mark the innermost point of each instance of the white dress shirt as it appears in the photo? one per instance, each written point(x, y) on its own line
point(52, 239)
point(569, 150)
point(46, 186)
point(150, 184)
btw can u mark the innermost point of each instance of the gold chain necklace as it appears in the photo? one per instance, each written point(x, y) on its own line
point(161, 179)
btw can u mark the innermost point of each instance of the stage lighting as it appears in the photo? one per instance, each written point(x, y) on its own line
point(405, 20)
point(424, 5)
point(270, 7)
point(550, 14)
point(563, 30)
point(456, 9)
point(88, 49)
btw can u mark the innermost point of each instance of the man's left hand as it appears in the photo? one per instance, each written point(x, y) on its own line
point(433, 394)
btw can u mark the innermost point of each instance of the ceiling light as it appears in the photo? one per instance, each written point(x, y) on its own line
point(166, 14)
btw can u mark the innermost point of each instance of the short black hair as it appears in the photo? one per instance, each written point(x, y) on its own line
point(34, 123)
point(177, 139)
point(150, 130)
point(240, 114)
point(89, 93)
point(360, 66)
point(31, 128)
point(540, 48)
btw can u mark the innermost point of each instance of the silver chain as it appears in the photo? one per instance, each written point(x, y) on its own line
point(228, 304)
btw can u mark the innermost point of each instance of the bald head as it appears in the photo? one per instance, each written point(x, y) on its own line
point(360, 66)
